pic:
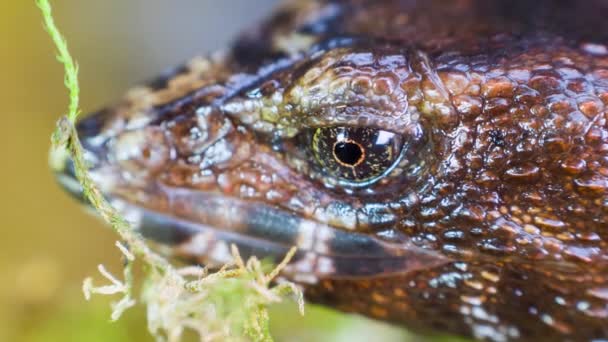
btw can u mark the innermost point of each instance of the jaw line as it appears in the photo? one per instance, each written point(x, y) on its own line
point(216, 222)
point(202, 226)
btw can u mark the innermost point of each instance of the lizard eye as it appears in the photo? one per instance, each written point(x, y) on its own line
point(356, 155)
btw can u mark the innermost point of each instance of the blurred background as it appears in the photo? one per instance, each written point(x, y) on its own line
point(48, 243)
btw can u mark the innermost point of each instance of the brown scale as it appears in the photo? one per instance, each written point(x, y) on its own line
point(500, 198)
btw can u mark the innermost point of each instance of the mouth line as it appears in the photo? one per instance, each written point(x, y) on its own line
point(216, 222)
point(202, 226)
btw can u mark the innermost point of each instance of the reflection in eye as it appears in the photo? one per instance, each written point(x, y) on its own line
point(355, 154)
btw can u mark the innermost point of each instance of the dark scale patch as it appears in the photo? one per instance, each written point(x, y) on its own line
point(327, 22)
point(90, 129)
point(273, 225)
point(249, 53)
point(255, 46)
point(93, 124)
point(162, 81)
point(563, 16)
point(375, 267)
point(165, 229)
point(497, 137)
point(344, 243)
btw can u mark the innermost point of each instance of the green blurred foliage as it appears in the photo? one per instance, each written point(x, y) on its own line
point(77, 322)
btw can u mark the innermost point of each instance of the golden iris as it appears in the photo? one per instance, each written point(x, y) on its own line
point(356, 154)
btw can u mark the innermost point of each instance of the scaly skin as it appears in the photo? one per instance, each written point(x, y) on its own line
point(493, 221)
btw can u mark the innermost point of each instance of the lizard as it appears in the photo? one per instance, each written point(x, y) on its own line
point(442, 165)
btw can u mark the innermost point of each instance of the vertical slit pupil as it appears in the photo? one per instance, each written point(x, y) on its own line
point(348, 153)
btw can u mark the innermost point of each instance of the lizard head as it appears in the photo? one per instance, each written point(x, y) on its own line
point(326, 151)
point(373, 150)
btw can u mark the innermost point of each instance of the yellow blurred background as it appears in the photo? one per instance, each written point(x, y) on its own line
point(48, 243)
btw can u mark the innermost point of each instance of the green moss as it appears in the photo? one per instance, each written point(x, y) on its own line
point(64, 57)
